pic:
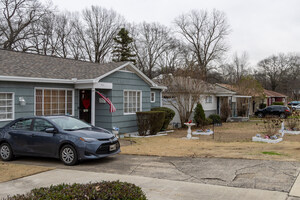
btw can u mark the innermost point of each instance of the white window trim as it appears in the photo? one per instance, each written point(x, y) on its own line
point(151, 97)
point(13, 106)
point(141, 101)
point(210, 98)
point(49, 88)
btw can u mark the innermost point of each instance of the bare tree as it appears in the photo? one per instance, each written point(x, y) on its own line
point(63, 30)
point(205, 33)
point(172, 58)
point(293, 82)
point(76, 44)
point(274, 69)
point(16, 19)
point(151, 41)
point(97, 31)
point(235, 69)
point(240, 64)
point(248, 85)
point(184, 92)
point(42, 41)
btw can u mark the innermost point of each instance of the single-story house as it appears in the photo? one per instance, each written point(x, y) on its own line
point(32, 84)
point(268, 97)
point(211, 101)
point(272, 97)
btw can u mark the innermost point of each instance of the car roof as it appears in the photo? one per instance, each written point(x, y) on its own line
point(43, 117)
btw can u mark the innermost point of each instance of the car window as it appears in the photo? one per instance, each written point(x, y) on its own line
point(24, 124)
point(70, 123)
point(41, 125)
point(269, 109)
point(276, 108)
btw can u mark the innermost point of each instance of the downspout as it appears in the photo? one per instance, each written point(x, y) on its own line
point(93, 103)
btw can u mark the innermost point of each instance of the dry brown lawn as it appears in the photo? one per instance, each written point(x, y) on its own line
point(232, 140)
point(11, 171)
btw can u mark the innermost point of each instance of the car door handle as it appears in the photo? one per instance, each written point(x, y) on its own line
point(33, 135)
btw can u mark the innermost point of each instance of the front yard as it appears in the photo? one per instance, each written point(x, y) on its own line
point(11, 171)
point(232, 140)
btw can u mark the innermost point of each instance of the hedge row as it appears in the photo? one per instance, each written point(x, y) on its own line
point(105, 190)
point(169, 115)
point(150, 122)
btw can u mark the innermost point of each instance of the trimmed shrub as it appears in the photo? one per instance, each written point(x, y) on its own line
point(169, 115)
point(150, 121)
point(199, 115)
point(278, 103)
point(208, 121)
point(215, 118)
point(105, 190)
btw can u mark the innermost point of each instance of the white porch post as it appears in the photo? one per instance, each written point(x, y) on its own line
point(161, 103)
point(93, 100)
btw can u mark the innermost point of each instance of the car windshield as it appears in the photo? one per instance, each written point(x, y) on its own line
point(69, 123)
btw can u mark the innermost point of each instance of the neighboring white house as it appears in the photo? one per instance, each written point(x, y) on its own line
point(211, 103)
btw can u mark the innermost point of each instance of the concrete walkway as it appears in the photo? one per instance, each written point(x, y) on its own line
point(153, 187)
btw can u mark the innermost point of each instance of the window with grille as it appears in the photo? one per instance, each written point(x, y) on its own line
point(6, 106)
point(132, 101)
point(53, 102)
point(152, 97)
point(208, 99)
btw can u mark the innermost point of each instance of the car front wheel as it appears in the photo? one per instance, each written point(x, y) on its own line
point(68, 155)
point(282, 116)
point(6, 153)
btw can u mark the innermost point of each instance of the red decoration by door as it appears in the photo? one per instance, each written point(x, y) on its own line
point(86, 103)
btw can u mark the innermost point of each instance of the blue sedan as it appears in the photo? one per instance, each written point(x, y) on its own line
point(61, 137)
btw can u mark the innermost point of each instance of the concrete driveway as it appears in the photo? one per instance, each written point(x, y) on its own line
point(241, 173)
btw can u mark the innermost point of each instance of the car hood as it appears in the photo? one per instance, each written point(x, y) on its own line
point(92, 133)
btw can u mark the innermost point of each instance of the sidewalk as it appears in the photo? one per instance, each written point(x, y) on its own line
point(153, 187)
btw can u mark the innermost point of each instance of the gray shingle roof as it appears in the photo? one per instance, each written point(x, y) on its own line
point(14, 63)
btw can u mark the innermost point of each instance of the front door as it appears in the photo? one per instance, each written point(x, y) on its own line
point(85, 105)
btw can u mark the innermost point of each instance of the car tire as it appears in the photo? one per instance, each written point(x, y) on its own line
point(6, 153)
point(260, 115)
point(68, 155)
point(282, 116)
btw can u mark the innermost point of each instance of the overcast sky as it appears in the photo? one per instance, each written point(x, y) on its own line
point(259, 27)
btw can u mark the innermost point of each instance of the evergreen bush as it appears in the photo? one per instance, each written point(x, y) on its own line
point(215, 118)
point(169, 115)
point(150, 122)
point(199, 115)
point(278, 103)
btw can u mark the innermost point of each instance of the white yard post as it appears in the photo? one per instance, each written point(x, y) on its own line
point(282, 129)
point(93, 100)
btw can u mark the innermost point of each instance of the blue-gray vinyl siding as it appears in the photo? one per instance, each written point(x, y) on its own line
point(121, 81)
point(26, 90)
point(157, 98)
point(103, 118)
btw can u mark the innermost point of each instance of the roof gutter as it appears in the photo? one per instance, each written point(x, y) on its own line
point(159, 87)
point(44, 80)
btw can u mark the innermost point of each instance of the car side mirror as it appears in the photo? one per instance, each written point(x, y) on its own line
point(50, 130)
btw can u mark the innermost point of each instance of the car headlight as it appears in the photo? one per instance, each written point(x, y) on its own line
point(84, 139)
